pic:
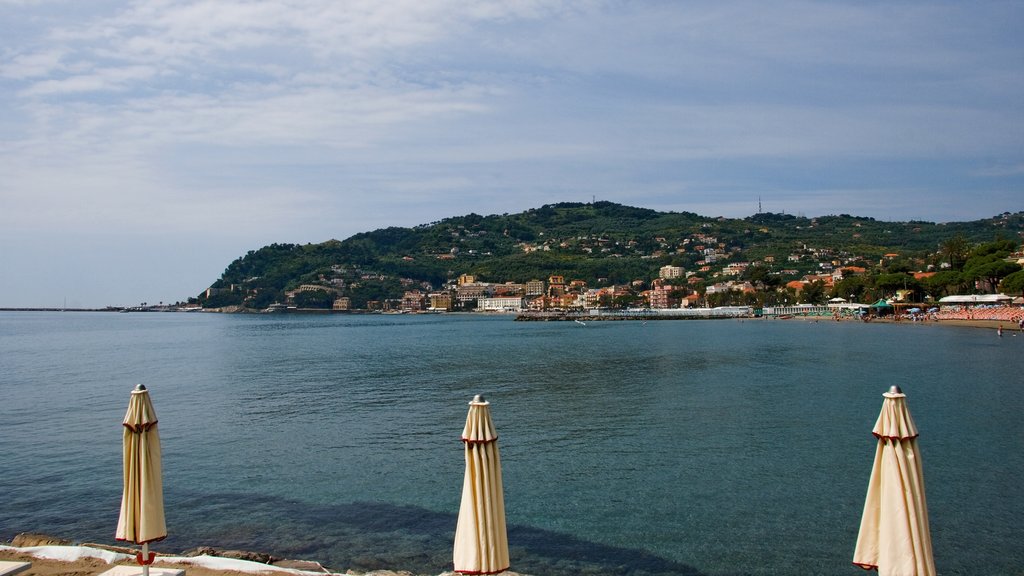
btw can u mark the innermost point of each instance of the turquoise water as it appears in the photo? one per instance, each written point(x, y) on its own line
point(677, 447)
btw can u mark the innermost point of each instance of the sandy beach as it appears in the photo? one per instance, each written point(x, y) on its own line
point(1009, 328)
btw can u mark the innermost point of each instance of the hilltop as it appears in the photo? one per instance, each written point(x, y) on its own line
point(597, 245)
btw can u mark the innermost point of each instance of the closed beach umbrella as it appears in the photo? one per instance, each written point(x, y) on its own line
point(894, 537)
point(142, 502)
point(481, 543)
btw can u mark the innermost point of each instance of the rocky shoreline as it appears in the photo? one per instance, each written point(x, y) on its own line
point(93, 566)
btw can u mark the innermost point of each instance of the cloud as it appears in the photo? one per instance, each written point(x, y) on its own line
point(288, 120)
point(1002, 170)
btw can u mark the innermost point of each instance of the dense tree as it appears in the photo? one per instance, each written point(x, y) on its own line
point(813, 293)
point(1013, 283)
point(314, 299)
point(942, 284)
point(850, 288)
point(890, 283)
point(990, 270)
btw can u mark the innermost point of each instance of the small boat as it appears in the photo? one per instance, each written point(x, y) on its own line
point(580, 322)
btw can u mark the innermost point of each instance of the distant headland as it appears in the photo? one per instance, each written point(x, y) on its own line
point(602, 255)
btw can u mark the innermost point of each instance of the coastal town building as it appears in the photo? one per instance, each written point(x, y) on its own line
point(577, 286)
point(731, 286)
point(661, 297)
point(670, 272)
point(508, 289)
point(556, 286)
point(310, 288)
point(441, 301)
point(413, 301)
point(471, 292)
point(500, 304)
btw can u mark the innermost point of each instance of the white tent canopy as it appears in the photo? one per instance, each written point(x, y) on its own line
point(977, 299)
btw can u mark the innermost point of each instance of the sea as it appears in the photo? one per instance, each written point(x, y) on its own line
point(685, 447)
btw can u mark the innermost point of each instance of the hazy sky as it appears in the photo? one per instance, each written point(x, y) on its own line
point(147, 144)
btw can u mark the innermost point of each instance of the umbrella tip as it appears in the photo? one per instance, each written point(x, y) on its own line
point(479, 398)
point(895, 390)
point(140, 387)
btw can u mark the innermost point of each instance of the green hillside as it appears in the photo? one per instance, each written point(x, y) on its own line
point(602, 243)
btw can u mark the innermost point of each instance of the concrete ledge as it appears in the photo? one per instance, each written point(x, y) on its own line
point(11, 567)
point(137, 571)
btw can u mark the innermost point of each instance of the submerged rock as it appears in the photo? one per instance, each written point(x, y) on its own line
point(26, 539)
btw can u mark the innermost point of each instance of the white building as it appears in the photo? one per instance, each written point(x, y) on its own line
point(500, 304)
point(670, 272)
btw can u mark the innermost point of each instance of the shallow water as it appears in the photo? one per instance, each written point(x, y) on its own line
point(676, 447)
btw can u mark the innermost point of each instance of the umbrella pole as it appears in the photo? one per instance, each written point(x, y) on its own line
point(145, 558)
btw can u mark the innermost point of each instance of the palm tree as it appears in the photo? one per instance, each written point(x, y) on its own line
point(955, 251)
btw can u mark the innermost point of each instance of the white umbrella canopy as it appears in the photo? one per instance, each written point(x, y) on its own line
point(894, 537)
point(142, 501)
point(481, 541)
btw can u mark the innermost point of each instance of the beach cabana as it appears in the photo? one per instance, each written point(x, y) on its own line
point(142, 502)
point(481, 541)
point(975, 299)
point(894, 537)
point(881, 308)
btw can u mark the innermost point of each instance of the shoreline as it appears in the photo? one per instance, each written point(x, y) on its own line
point(58, 557)
point(1008, 327)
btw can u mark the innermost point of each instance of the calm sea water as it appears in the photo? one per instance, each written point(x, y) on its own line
point(677, 447)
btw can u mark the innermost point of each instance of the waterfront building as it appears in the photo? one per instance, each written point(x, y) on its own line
point(413, 301)
point(500, 304)
point(660, 297)
point(471, 292)
point(535, 288)
point(441, 301)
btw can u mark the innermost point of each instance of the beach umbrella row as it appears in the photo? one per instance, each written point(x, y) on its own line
point(893, 539)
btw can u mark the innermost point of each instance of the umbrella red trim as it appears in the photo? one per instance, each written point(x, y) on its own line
point(481, 573)
point(470, 441)
point(880, 437)
point(140, 543)
point(868, 567)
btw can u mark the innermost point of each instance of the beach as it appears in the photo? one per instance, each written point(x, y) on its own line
point(1009, 328)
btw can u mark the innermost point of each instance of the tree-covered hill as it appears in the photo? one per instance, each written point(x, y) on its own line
point(601, 243)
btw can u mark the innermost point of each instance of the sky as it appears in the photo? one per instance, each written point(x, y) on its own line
point(145, 145)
